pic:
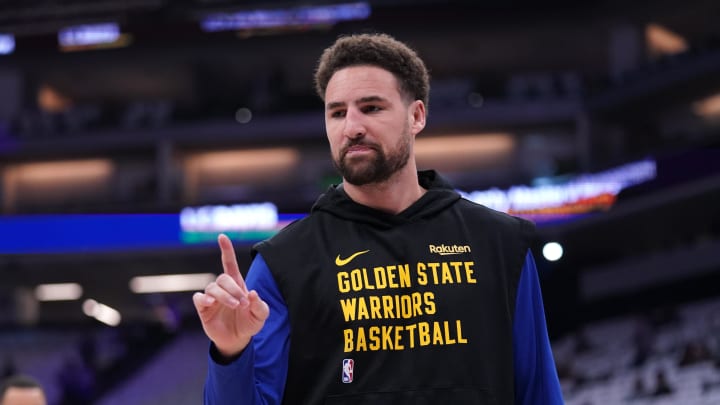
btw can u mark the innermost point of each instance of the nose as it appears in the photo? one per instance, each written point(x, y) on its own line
point(354, 127)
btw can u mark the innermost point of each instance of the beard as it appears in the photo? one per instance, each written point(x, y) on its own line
point(377, 168)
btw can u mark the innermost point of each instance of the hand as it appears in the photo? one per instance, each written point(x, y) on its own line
point(230, 314)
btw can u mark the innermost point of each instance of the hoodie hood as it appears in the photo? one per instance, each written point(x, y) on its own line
point(439, 196)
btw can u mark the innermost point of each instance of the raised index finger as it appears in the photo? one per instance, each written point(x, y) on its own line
point(229, 261)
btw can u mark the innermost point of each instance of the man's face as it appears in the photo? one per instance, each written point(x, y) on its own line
point(23, 396)
point(369, 126)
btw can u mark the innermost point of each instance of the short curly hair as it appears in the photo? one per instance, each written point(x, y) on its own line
point(379, 50)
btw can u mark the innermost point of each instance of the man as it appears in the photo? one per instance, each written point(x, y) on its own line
point(394, 290)
point(21, 390)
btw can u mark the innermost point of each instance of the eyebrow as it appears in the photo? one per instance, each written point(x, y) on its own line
point(361, 100)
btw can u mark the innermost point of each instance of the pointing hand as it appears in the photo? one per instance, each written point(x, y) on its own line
point(230, 314)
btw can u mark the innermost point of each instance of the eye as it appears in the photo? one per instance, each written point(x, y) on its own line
point(337, 114)
point(370, 109)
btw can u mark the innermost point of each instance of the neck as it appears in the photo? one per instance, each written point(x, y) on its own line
point(394, 195)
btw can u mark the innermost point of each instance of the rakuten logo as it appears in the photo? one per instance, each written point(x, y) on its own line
point(444, 250)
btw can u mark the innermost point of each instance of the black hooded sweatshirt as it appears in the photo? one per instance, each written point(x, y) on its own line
point(413, 308)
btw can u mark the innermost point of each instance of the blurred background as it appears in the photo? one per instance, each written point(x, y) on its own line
point(132, 132)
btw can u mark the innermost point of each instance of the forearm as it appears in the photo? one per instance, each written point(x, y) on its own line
point(231, 381)
point(258, 374)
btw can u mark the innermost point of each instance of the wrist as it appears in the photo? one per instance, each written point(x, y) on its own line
point(233, 349)
point(226, 355)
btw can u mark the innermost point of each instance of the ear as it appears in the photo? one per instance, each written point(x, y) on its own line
point(418, 116)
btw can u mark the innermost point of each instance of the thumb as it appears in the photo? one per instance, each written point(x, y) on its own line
point(258, 308)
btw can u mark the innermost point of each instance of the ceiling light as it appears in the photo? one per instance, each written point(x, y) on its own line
point(103, 313)
point(71, 171)
point(662, 41)
point(58, 292)
point(552, 251)
point(171, 283)
point(243, 160)
point(454, 152)
point(708, 107)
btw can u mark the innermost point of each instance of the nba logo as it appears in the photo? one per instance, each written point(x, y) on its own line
point(347, 370)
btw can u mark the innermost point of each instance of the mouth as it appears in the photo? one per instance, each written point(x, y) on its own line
point(358, 149)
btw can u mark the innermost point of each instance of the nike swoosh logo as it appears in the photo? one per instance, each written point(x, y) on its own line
point(342, 262)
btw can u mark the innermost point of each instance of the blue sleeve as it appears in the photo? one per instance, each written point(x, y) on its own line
point(536, 380)
point(258, 375)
